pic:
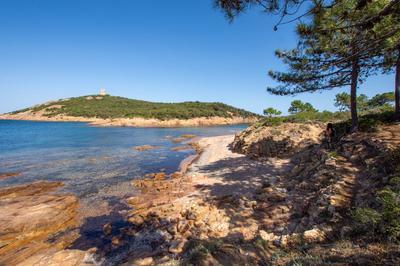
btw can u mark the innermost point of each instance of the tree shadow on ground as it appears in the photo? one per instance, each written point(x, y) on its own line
point(240, 175)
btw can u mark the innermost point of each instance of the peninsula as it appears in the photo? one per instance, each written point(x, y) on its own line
point(106, 110)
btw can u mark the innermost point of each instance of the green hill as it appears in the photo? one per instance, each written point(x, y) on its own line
point(118, 107)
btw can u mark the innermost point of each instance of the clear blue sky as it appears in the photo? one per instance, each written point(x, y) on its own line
point(169, 51)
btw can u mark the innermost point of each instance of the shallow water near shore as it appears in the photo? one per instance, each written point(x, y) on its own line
point(95, 163)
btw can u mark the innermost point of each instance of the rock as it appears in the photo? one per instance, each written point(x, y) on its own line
point(177, 140)
point(145, 147)
point(8, 175)
point(267, 236)
point(134, 200)
point(182, 148)
point(30, 215)
point(191, 215)
point(61, 258)
point(160, 176)
point(276, 196)
point(183, 226)
point(270, 194)
point(176, 175)
point(107, 229)
point(188, 136)
point(172, 229)
point(314, 235)
point(116, 240)
point(345, 231)
point(176, 246)
point(250, 204)
point(266, 184)
point(142, 262)
point(137, 220)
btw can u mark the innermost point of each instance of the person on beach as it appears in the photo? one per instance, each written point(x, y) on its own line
point(330, 135)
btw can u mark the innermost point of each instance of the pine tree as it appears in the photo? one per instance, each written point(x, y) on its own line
point(328, 57)
point(375, 26)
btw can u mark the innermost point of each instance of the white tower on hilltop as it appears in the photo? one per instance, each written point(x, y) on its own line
point(102, 92)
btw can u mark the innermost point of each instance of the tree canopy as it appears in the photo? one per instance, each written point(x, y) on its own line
point(271, 112)
point(341, 43)
point(298, 106)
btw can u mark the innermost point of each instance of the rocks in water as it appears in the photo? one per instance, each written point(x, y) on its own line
point(107, 229)
point(188, 136)
point(8, 175)
point(178, 140)
point(182, 148)
point(32, 214)
point(116, 240)
point(145, 147)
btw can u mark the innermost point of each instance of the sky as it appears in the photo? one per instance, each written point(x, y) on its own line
point(166, 51)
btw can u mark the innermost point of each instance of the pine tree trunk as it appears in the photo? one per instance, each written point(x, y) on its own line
point(353, 95)
point(397, 88)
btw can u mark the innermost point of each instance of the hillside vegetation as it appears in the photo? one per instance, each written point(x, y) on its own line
point(119, 107)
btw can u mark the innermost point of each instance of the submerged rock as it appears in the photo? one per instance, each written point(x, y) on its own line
point(145, 147)
point(8, 175)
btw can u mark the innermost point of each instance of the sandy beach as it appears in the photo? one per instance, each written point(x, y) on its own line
point(219, 171)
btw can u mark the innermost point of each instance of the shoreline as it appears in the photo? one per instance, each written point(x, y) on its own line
point(135, 122)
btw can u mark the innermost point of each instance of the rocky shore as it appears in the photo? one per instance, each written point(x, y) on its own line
point(230, 209)
point(130, 122)
point(264, 205)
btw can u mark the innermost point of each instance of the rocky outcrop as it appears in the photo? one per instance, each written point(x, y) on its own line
point(277, 141)
point(33, 220)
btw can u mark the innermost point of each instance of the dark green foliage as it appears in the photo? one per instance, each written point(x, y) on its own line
point(271, 112)
point(118, 107)
point(383, 220)
point(390, 201)
point(381, 99)
point(304, 117)
point(199, 250)
point(298, 106)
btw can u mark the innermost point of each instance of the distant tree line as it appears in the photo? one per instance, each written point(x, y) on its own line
point(119, 107)
point(343, 102)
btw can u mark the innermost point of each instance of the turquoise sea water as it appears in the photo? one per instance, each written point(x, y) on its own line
point(95, 163)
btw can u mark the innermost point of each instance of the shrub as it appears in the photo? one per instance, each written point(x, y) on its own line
point(391, 213)
point(386, 221)
point(367, 217)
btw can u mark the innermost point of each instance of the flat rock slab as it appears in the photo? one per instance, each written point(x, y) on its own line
point(31, 216)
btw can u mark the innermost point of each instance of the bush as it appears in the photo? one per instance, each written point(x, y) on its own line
point(367, 217)
point(391, 213)
point(385, 222)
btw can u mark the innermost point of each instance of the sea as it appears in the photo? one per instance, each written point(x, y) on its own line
point(97, 164)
